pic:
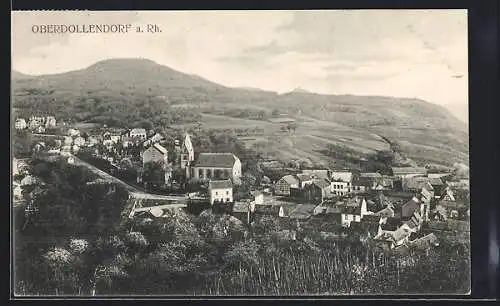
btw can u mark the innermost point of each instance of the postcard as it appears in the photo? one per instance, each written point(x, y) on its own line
point(240, 153)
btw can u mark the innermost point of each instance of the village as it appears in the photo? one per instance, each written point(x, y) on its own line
point(412, 208)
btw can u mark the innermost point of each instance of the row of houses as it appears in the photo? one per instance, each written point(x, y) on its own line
point(205, 166)
point(35, 122)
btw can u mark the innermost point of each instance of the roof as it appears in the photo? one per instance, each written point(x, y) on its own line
point(417, 183)
point(240, 206)
point(408, 170)
point(391, 224)
point(304, 177)
point(351, 210)
point(425, 241)
point(370, 174)
point(290, 179)
point(160, 148)
point(400, 234)
point(222, 160)
point(438, 175)
point(267, 209)
point(414, 221)
point(436, 181)
point(412, 202)
point(302, 211)
point(318, 173)
point(256, 193)
point(363, 181)
point(371, 218)
point(321, 184)
point(220, 184)
point(449, 225)
point(138, 131)
point(333, 210)
point(345, 176)
point(368, 226)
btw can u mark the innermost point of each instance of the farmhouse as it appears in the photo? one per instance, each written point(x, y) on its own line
point(155, 153)
point(283, 186)
point(218, 166)
point(220, 191)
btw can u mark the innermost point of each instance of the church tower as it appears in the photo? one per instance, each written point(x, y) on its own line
point(187, 154)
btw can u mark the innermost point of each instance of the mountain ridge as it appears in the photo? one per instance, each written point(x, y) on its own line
point(128, 85)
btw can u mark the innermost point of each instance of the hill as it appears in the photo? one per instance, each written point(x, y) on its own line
point(139, 92)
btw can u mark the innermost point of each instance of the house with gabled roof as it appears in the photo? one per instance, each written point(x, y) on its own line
point(155, 153)
point(220, 191)
point(217, 166)
point(241, 211)
point(285, 184)
point(317, 191)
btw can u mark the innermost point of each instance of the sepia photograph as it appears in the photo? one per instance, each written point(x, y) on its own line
point(240, 153)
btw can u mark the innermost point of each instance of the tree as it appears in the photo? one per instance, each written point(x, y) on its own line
point(154, 173)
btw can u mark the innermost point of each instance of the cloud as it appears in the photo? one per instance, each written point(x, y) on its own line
point(389, 52)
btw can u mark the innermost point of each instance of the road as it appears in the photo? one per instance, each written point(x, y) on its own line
point(133, 191)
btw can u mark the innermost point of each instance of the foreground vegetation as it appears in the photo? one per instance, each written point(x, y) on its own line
point(90, 250)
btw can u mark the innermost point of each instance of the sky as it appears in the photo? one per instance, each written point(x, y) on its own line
point(402, 53)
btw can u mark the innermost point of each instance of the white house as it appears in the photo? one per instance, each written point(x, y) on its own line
point(73, 132)
point(155, 153)
point(50, 122)
point(138, 134)
point(79, 141)
point(220, 190)
point(157, 137)
point(354, 214)
point(342, 175)
point(217, 166)
point(20, 124)
point(258, 197)
point(340, 188)
point(341, 182)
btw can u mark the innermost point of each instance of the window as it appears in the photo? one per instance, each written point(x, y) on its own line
point(227, 199)
point(200, 173)
point(227, 192)
point(216, 193)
